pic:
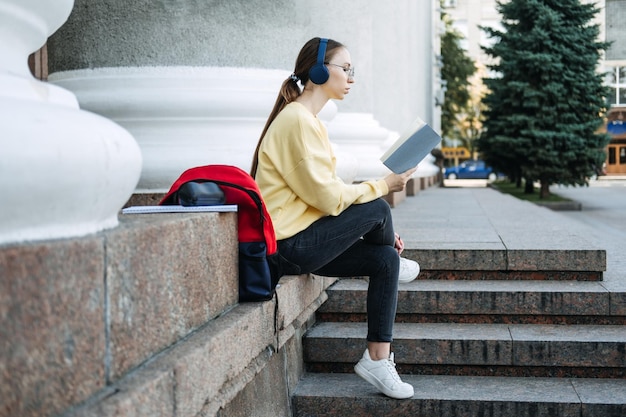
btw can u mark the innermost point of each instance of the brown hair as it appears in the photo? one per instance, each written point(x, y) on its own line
point(290, 90)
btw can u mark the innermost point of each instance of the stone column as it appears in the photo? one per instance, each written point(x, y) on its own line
point(63, 172)
point(195, 81)
point(181, 116)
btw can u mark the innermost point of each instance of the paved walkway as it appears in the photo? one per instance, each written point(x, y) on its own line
point(481, 218)
point(603, 217)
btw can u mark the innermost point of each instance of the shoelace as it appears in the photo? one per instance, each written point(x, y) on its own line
point(391, 366)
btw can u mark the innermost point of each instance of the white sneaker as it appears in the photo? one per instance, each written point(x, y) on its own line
point(409, 270)
point(383, 375)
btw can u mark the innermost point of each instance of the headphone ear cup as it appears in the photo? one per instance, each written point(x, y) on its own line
point(319, 74)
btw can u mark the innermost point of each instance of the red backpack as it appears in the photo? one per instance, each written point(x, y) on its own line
point(259, 270)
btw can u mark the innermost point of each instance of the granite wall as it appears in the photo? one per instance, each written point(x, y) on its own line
point(143, 320)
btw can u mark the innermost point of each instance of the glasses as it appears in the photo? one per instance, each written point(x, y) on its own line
point(348, 70)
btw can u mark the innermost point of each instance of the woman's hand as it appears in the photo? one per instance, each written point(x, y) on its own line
point(397, 182)
point(398, 244)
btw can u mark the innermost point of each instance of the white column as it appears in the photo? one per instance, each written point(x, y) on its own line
point(181, 117)
point(186, 116)
point(364, 138)
point(63, 172)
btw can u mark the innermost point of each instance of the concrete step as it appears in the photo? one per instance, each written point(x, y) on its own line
point(470, 263)
point(323, 395)
point(478, 349)
point(546, 302)
point(483, 234)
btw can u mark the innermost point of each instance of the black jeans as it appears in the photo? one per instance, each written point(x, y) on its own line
point(358, 242)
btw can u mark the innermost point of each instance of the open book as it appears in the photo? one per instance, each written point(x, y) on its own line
point(411, 147)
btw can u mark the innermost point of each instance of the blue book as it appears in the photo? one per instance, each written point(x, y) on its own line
point(411, 147)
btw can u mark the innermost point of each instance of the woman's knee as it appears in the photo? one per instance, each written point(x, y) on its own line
point(386, 259)
point(390, 256)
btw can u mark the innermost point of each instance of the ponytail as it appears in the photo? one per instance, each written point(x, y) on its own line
point(289, 91)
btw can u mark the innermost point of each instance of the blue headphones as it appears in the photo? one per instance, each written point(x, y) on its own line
point(318, 72)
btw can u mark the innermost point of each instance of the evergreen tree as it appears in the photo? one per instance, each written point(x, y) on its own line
point(547, 102)
point(456, 69)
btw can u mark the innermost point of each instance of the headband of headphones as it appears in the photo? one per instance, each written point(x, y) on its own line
point(319, 73)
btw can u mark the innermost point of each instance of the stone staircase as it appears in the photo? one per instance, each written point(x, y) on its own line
point(487, 330)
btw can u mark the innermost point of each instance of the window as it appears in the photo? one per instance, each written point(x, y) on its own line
point(616, 80)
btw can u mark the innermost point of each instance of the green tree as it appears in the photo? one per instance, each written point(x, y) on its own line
point(546, 104)
point(456, 70)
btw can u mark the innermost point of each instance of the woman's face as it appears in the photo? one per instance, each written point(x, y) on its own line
point(341, 74)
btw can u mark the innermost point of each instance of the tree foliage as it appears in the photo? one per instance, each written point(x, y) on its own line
point(546, 104)
point(456, 70)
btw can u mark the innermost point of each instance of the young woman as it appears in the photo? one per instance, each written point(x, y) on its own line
point(322, 224)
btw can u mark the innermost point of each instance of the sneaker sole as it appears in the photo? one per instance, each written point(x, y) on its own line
point(408, 280)
point(366, 375)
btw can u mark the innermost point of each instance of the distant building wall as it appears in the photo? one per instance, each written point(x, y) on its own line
point(616, 29)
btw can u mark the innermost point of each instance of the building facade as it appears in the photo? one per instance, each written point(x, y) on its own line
point(615, 67)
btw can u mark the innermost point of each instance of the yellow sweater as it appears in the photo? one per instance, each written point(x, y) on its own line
point(296, 173)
